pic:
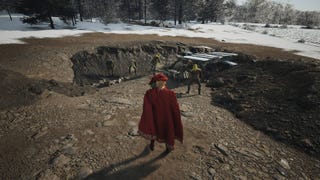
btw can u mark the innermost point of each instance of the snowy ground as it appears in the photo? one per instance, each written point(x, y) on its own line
point(12, 31)
point(290, 32)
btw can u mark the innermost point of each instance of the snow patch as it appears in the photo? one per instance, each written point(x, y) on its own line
point(287, 39)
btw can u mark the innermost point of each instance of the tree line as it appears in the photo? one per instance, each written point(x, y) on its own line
point(179, 11)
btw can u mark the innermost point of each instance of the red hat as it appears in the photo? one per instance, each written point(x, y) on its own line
point(158, 77)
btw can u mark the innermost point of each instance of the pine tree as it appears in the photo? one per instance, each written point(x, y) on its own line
point(161, 9)
point(229, 9)
point(9, 6)
point(211, 10)
point(145, 5)
point(79, 7)
point(43, 10)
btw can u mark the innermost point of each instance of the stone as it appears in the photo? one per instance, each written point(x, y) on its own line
point(107, 117)
point(219, 118)
point(305, 177)
point(46, 94)
point(195, 176)
point(105, 111)
point(226, 167)
point(187, 114)
point(47, 175)
point(266, 150)
point(284, 163)
point(278, 177)
point(119, 101)
point(307, 142)
point(251, 170)
point(89, 132)
point(235, 169)
point(256, 154)
point(132, 123)
point(69, 150)
point(211, 171)
point(98, 124)
point(53, 82)
point(184, 108)
point(198, 149)
point(84, 172)
point(242, 177)
point(41, 133)
point(133, 132)
point(83, 106)
point(10, 116)
point(282, 171)
point(108, 123)
point(60, 160)
point(221, 149)
point(71, 137)
point(250, 153)
point(36, 89)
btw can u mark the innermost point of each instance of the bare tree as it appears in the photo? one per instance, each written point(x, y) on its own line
point(229, 9)
point(8, 5)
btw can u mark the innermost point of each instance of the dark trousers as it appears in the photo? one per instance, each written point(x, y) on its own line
point(191, 81)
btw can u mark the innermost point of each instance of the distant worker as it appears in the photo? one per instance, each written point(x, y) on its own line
point(154, 62)
point(133, 67)
point(110, 67)
point(196, 75)
point(186, 68)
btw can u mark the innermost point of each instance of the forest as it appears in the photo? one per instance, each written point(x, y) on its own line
point(155, 12)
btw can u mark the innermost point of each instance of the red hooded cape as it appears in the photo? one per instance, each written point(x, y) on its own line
point(161, 119)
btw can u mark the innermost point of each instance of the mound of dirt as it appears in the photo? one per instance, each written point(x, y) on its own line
point(18, 90)
point(280, 98)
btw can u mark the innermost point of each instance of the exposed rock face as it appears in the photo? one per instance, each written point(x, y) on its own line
point(111, 62)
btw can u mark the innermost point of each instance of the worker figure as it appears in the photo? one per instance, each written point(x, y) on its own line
point(196, 75)
point(186, 69)
point(133, 67)
point(154, 62)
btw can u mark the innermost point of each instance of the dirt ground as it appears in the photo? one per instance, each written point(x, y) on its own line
point(50, 128)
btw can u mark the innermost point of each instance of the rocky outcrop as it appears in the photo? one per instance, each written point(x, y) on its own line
point(109, 62)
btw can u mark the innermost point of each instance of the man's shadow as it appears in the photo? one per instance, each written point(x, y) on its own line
point(131, 172)
point(172, 84)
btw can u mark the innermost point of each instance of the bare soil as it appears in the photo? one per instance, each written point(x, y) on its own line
point(52, 128)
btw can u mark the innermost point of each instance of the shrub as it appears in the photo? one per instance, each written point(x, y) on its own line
point(30, 20)
point(154, 23)
point(309, 27)
point(284, 26)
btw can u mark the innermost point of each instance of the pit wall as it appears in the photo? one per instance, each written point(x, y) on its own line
point(112, 62)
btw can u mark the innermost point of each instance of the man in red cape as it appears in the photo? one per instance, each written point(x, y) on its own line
point(161, 118)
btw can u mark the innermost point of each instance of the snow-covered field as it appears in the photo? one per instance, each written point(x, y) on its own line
point(12, 31)
point(290, 32)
